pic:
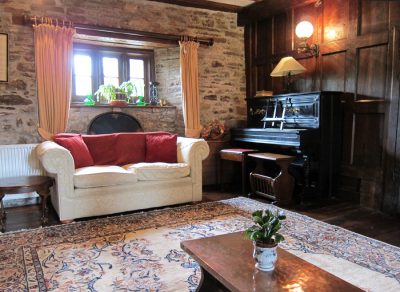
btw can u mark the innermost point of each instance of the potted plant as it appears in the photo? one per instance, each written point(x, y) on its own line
point(110, 94)
point(265, 236)
point(130, 90)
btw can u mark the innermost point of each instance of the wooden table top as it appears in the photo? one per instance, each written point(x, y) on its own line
point(22, 183)
point(229, 259)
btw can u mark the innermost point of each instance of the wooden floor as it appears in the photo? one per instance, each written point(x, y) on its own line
point(347, 215)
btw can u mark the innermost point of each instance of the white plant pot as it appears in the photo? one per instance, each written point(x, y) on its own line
point(265, 257)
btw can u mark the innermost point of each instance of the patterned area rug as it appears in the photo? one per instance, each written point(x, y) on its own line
point(141, 251)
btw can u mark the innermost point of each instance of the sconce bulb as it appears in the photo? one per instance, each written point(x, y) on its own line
point(304, 29)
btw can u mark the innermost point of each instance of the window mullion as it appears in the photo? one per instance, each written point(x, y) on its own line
point(99, 69)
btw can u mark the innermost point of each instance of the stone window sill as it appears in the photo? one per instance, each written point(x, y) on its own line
point(81, 104)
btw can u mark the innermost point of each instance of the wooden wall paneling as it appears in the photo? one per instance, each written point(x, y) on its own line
point(333, 74)
point(350, 86)
point(394, 14)
point(306, 82)
point(335, 20)
point(250, 52)
point(391, 193)
point(374, 16)
point(368, 133)
point(372, 71)
point(263, 45)
point(280, 31)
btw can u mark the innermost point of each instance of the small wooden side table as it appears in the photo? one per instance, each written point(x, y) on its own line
point(238, 155)
point(25, 184)
point(279, 188)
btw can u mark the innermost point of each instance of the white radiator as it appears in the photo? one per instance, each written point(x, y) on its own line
point(19, 160)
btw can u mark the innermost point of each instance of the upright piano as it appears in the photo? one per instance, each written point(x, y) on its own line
point(306, 125)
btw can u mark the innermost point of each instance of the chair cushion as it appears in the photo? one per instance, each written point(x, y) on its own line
point(102, 176)
point(159, 170)
point(79, 151)
point(161, 148)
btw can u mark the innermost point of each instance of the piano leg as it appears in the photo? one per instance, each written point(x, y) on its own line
point(306, 178)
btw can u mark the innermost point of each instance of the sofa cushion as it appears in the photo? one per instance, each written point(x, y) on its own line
point(102, 176)
point(79, 151)
point(159, 170)
point(161, 148)
point(131, 148)
point(102, 148)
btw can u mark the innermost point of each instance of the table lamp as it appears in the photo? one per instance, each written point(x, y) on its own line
point(287, 67)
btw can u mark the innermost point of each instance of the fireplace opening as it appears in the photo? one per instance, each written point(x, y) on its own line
point(113, 122)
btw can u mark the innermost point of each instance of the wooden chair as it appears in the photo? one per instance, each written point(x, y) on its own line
point(238, 155)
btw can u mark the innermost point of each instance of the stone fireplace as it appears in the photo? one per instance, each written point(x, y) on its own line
point(114, 122)
point(151, 118)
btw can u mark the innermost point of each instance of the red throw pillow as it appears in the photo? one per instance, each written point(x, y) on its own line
point(161, 148)
point(131, 148)
point(102, 148)
point(78, 149)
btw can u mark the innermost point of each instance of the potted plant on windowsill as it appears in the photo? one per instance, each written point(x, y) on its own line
point(265, 236)
point(130, 90)
point(111, 94)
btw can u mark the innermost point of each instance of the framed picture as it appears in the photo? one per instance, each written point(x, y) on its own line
point(3, 57)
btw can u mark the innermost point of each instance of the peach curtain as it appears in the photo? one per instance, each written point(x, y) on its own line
point(53, 57)
point(190, 88)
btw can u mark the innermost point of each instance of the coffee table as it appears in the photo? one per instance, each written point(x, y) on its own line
point(227, 264)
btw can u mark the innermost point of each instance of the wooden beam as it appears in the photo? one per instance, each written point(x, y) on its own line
point(204, 4)
point(267, 8)
point(122, 33)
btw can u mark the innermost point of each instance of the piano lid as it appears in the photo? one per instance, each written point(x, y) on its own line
point(301, 111)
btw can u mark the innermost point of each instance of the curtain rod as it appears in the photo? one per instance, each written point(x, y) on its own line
point(96, 30)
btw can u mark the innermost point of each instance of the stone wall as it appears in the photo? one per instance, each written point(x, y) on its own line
point(221, 67)
point(167, 69)
point(151, 118)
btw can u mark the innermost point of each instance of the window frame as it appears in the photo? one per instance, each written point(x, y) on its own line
point(96, 52)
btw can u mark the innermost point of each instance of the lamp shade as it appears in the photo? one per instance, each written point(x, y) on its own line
point(304, 29)
point(287, 66)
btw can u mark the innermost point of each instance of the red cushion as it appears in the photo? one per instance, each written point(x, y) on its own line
point(102, 148)
point(161, 147)
point(78, 149)
point(131, 148)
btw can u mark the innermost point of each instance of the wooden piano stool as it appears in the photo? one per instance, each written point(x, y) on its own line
point(239, 155)
point(280, 188)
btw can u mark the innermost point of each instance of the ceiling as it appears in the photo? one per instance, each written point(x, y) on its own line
point(218, 5)
point(240, 3)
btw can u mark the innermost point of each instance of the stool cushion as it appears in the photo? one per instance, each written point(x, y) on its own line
point(239, 150)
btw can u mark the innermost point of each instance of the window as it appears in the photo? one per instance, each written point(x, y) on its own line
point(96, 65)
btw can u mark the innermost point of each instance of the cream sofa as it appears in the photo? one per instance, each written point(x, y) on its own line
point(101, 190)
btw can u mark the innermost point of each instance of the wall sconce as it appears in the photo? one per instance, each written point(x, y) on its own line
point(304, 30)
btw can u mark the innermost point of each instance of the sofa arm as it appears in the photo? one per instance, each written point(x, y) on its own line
point(58, 163)
point(55, 158)
point(193, 151)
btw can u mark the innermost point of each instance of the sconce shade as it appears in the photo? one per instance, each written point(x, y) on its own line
point(287, 66)
point(304, 29)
